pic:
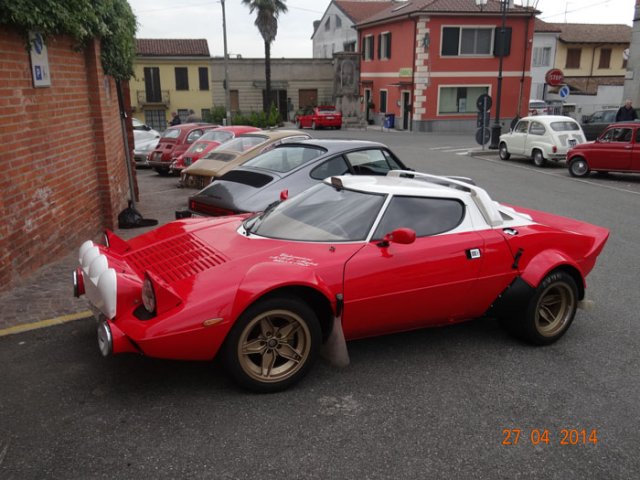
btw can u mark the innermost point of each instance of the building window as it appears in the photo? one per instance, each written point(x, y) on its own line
point(459, 99)
point(573, 57)
point(542, 56)
point(383, 101)
point(183, 113)
point(327, 24)
point(182, 78)
point(205, 113)
point(338, 22)
point(153, 94)
point(384, 45)
point(156, 119)
point(459, 41)
point(203, 75)
point(349, 46)
point(367, 48)
point(605, 58)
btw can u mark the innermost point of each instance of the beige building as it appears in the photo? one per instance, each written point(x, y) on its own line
point(295, 83)
point(170, 75)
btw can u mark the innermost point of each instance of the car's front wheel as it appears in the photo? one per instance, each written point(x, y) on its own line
point(503, 152)
point(578, 167)
point(538, 159)
point(272, 345)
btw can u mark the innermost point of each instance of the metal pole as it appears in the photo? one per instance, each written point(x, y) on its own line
point(227, 93)
point(496, 129)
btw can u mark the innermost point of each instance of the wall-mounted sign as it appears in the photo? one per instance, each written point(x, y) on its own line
point(39, 61)
point(405, 72)
point(554, 77)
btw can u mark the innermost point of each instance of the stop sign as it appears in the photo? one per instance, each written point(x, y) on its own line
point(554, 77)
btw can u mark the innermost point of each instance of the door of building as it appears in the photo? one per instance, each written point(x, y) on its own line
point(406, 110)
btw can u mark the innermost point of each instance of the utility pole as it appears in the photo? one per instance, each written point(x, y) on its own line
point(227, 93)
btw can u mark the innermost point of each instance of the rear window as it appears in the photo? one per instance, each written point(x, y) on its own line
point(565, 126)
point(253, 179)
point(242, 143)
point(217, 136)
point(284, 158)
point(171, 133)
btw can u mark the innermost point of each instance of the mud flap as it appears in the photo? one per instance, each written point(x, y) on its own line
point(334, 349)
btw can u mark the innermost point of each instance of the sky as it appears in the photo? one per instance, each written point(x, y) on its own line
point(203, 19)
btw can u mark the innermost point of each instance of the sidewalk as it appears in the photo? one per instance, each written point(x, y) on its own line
point(46, 296)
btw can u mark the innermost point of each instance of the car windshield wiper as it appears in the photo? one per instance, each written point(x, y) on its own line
point(258, 218)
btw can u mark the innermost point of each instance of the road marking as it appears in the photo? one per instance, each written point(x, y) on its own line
point(457, 150)
point(45, 323)
point(552, 174)
point(440, 148)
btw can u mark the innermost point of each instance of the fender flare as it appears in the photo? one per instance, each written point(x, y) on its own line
point(539, 266)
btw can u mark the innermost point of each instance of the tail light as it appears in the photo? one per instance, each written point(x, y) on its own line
point(554, 149)
point(209, 209)
point(148, 296)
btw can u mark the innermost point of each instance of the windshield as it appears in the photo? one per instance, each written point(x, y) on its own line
point(171, 133)
point(284, 158)
point(564, 126)
point(242, 143)
point(322, 213)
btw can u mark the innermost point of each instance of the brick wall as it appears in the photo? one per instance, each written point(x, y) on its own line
point(63, 177)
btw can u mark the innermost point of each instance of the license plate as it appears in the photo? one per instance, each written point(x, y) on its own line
point(572, 142)
point(329, 118)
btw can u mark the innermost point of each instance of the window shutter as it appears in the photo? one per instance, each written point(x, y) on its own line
point(389, 45)
point(379, 46)
point(450, 41)
point(497, 44)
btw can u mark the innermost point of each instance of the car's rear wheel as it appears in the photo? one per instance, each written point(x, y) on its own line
point(578, 167)
point(272, 345)
point(538, 159)
point(162, 171)
point(549, 312)
point(503, 152)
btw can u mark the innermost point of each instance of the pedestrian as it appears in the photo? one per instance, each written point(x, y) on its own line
point(192, 117)
point(175, 119)
point(626, 112)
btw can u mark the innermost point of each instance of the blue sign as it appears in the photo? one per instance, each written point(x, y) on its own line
point(564, 92)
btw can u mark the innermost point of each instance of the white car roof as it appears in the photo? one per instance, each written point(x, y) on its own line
point(416, 184)
point(549, 118)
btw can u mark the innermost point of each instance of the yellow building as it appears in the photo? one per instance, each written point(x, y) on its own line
point(170, 75)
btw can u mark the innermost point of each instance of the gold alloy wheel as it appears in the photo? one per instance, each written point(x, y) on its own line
point(555, 309)
point(274, 346)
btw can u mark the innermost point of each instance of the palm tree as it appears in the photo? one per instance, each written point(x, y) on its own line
point(267, 23)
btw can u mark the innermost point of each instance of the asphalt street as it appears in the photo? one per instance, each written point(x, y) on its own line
point(465, 401)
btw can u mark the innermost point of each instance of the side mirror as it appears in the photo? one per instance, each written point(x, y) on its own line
point(284, 194)
point(402, 236)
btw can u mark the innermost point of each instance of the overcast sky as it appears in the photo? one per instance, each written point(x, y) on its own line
point(203, 19)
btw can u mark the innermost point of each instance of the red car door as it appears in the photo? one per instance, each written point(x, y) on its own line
point(400, 287)
point(635, 153)
point(613, 149)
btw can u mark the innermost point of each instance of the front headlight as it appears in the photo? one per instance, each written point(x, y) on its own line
point(148, 296)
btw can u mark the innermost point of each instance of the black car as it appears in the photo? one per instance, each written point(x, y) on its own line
point(594, 124)
point(291, 167)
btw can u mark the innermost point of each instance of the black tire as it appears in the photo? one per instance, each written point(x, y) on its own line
point(550, 311)
point(281, 335)
point(503, 152)
point(163, 172)
point(578, 167)
point(339, 127)
point(538, 159)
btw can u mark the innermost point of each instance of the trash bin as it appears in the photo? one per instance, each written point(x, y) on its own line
point(389, 120)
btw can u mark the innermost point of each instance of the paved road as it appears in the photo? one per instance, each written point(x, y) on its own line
point(429, 404)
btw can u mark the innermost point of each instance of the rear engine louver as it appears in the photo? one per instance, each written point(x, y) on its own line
point(176, 258)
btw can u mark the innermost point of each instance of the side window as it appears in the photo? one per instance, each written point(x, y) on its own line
point(597, 117)
point(620, 135)
point(610, 117)
point(427, 216)
point(330, 168)
point(638, 136)
point(194, 135)
point(521, 127)
point(369, 162)
point(536, 128)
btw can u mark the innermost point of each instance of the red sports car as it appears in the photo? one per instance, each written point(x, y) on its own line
point(617, 149)
point(207, 142)
point(351, 257)
point(173, 142)
point(319, 117)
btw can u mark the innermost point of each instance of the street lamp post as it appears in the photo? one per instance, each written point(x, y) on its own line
point(227, 94)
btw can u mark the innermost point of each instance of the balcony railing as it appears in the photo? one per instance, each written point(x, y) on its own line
point(144, 99)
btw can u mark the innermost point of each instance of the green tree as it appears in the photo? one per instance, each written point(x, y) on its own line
point(267, 23)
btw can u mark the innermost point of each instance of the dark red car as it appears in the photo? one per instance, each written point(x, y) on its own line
point(617, 149)
point(207, 142)
point(174, 141)
point(319, 117)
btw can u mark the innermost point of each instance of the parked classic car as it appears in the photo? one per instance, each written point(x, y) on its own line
point(234, 153)
point(174, 141)
point(325, 116)
point(208, 142)
point(293, 167)
point(351, 257)
point(616, 150)
point(541, 138)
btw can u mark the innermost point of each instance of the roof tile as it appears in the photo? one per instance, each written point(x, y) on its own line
point(154, 47)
